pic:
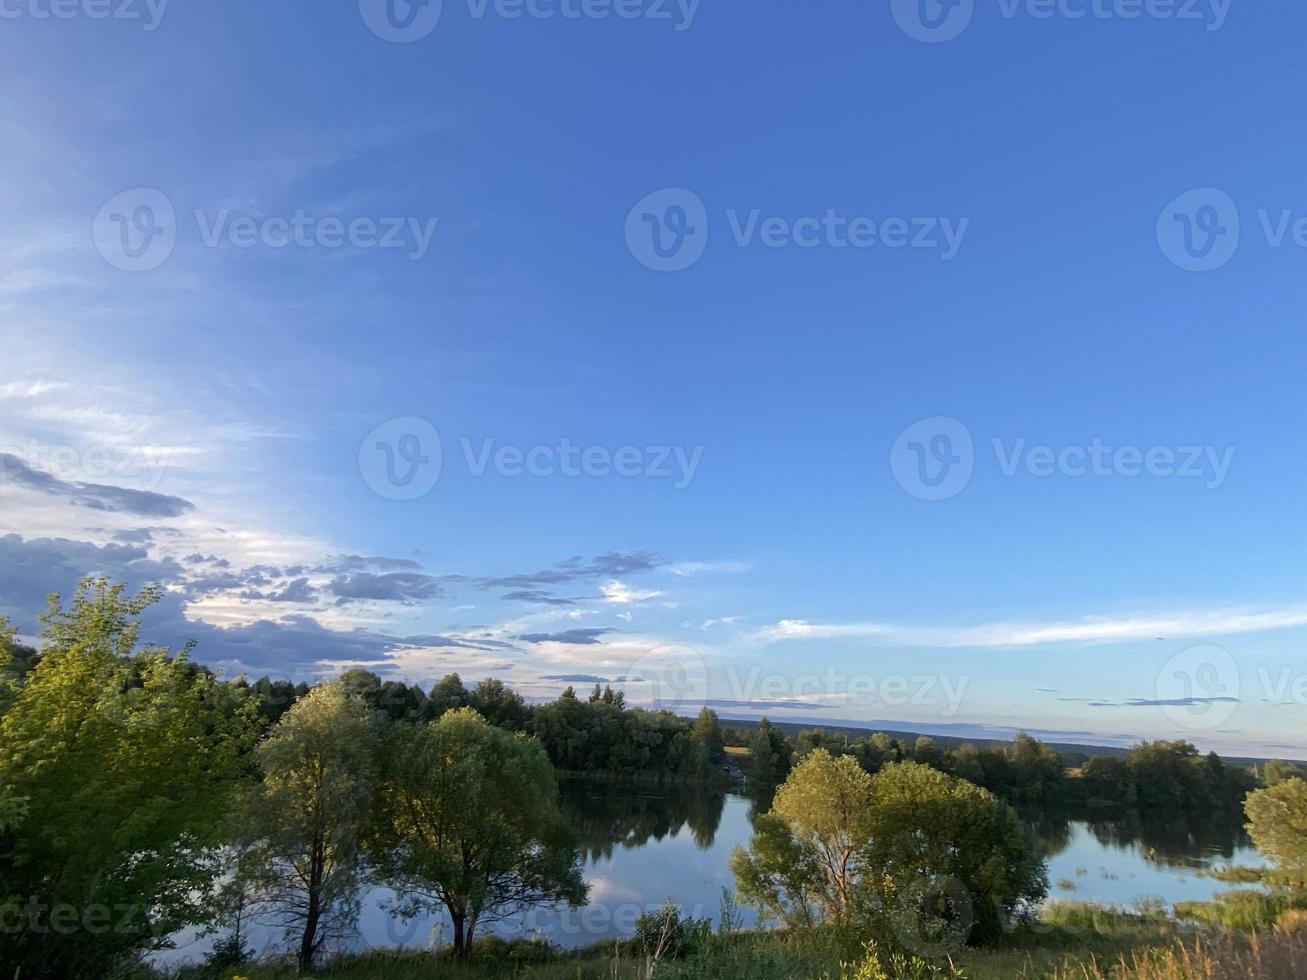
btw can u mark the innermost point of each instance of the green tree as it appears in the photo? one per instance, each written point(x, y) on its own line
point(117, 764)
point(305, 822)
point(944, 847)
point(769, 755)
point(931, 860)
point(467, 819)
point(500, 705)
point(1277, 771)
point(448, 694)
point(806, 862)
point(777, 876)
point(708, 729)
point(1277, 823)
point(1037, 770)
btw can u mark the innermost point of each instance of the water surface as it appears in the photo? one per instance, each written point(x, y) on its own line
point(644, 845)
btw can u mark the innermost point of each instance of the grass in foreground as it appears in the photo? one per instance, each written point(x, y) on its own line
point(1073, 941)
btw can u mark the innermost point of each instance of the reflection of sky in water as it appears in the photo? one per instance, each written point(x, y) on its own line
point(1117, 874)
point(630, 878)
point(634, 879)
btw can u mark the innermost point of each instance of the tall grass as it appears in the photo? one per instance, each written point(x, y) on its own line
point(1279, 955)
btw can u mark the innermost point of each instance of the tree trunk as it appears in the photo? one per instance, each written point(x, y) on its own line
point(461, 950)
point(313, 914)
point(471, 932)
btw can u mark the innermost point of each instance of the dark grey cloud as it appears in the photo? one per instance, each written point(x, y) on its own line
point(576, 678)
point(97, 496)
point(458, 642)
point(578, 569)
point(581, 637)
point(1177, 702)
point(728, 703)
point(140, 535)
point(1190, 702)
point(409, 588)
point(361, 563)
point(218, 582)
point(539, 597)
point(32, 569)
point(297, 590)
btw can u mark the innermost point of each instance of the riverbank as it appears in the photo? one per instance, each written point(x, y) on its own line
point(1070, 940)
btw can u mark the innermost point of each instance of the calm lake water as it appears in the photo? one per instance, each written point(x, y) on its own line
point(643, 846)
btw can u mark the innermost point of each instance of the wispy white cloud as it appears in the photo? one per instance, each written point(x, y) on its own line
point(620, 594)
point(1096, 629)
point(688, 569)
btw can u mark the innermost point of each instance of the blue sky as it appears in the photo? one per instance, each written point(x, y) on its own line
point(883, 229)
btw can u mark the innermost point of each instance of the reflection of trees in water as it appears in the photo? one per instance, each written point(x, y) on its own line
point(605, 815)
point(1170, 840)
point(1052, 831)
point(760, 800)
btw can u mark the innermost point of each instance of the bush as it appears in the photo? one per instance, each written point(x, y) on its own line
point(666, 933)
point(876, 965)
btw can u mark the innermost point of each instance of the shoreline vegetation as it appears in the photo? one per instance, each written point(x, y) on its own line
point(1071, 941)
point(140, 796)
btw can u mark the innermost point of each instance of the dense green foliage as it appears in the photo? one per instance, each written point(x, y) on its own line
point(1160, 777)
point(1169, 777)
point(304, 818)
point(140, 795)
point(926, 860)
point(467, 820)
point(117, 765)
point(1277, 823)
